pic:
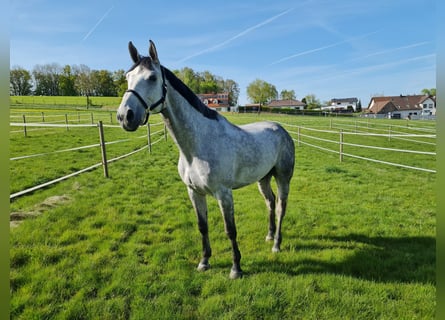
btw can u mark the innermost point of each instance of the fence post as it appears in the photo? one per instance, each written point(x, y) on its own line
point(341, 145)
point(149, 137)
point(92, 118)
point(330, 123)
point(389, 133)
point(66, 121)
point(102, 147)
point(24, 126)
point(43, 116)
point(111, 117)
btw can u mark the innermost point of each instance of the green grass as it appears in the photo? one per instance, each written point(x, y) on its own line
point(51, 101)
point(358, 238)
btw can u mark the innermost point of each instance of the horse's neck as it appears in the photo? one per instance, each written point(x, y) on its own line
point(187, 126)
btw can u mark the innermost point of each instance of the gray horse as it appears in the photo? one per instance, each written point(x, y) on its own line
point(215, 156)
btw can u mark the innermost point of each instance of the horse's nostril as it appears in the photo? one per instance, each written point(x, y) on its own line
point(119, 117)
point(130, 115)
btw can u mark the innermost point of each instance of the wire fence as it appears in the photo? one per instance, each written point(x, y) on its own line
point(310, 138)
point(330, 140)
point(102, 144)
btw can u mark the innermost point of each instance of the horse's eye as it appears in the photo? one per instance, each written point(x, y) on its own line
point(152, 77)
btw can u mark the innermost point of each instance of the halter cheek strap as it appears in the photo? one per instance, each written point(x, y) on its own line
point(153, 105)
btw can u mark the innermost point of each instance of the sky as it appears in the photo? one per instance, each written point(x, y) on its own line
point(332, 49)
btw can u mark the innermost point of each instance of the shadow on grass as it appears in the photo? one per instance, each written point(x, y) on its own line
point(380, 259)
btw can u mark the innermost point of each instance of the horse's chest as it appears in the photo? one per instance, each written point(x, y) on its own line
point(196, 174)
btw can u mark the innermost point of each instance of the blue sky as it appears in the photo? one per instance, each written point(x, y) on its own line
point(333, 49)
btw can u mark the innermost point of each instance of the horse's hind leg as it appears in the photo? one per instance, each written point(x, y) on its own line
point(269, 197)
point(200, 205)
point(283, 192)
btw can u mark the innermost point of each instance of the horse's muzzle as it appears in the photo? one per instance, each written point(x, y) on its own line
point(128, 120)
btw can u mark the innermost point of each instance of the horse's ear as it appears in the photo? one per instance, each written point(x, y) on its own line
point(133, 52)
point(153, 53)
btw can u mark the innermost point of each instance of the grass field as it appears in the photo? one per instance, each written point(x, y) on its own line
point(358, 239)
point(64, 101)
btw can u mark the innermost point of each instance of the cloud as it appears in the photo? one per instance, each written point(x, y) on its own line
point(299, 54)
point(239, 35)
point(98, 23)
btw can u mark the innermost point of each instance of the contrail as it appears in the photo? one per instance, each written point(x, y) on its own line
point(393, 50)
point(243, 33)
point(98, 23)
point(322, 48)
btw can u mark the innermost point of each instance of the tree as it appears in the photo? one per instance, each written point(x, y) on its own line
point(359, 106)
point(120, 82)
point(259, 91)
point(103, 84)
point(83, 81)
point(67, 80)
point(311, 101)
point(19, 82)
point(429, 92)
point(232, 88)
point(189, 77)
point(207, 83)
point(287, 95)
point(46, 79)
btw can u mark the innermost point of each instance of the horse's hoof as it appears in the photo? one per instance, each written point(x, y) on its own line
point(275, 249)
point(269, 237)
point(235, 274)
point(203, 266)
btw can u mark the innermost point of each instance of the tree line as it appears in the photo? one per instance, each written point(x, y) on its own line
point(262, 92)
point(79, 80)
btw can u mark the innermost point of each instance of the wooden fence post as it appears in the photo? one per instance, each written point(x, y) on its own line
point(341, 145)
point(389, 133)
point(102, 147)
point(92, 118)
point(149, 137)
point(66, 121)
point(43, 117)
point(24, 126)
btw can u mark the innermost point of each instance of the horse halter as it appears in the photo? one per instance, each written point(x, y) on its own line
point(153, 105)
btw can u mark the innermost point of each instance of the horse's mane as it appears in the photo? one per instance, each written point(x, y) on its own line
point(188, 94)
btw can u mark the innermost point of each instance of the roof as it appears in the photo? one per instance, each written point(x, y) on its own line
point(344, 100)
point(286, 103)
point(396, 103)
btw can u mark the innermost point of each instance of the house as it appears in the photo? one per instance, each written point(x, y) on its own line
point(218, 101)
point(288, 104)
point(343, 104)
point(402, 107)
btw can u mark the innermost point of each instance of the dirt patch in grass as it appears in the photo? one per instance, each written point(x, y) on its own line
point(16, 218)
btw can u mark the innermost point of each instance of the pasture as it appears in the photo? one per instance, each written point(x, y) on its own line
point(358, 237)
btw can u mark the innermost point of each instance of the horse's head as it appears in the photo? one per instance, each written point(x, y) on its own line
point(146, 89)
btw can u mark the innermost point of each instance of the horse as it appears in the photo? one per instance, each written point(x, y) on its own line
point(215, 156)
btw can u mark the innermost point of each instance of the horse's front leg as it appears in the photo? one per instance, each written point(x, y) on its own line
point(225, 201)
point(200, 205)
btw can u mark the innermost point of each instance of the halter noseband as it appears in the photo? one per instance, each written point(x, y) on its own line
point(153, 105)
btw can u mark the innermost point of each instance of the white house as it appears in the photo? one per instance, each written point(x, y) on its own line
point(402, 107)
point(343, 104)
